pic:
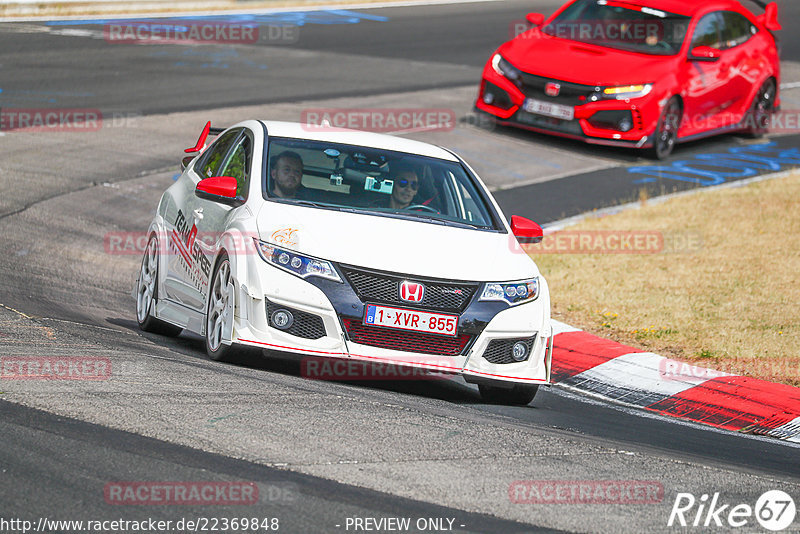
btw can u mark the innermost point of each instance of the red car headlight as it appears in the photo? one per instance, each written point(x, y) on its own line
point(502, 67)
point(622, 92)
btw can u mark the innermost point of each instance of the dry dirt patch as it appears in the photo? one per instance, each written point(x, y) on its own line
point(712, 278)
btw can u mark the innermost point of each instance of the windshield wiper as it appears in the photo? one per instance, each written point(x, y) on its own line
point(412, 217)
point(464, 224)
point(441, 222)
point(318, 205)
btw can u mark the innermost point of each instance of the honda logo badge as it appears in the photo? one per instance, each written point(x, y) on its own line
point(552, 88)
point(412, 291)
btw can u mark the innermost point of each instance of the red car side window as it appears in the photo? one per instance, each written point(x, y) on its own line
point(736, 29)
point(707, 32)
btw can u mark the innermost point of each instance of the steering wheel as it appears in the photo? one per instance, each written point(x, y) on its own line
point(421, 207)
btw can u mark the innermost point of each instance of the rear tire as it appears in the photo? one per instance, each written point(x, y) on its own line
point(517, 395)
point(666, 135)
point(761, 110)
point(217, 311)
point(147, 294)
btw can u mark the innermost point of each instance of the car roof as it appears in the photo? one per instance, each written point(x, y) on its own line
point(356, 137)
point(682, 7)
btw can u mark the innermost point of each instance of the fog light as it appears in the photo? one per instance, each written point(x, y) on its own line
point(488, 98)
point(519, 351)
point(282, 319)
point(625, 125)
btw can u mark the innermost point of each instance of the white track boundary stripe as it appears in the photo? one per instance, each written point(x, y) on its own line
point(263, 11)
point(789, 431)
point(562, 328)
point(640, 378)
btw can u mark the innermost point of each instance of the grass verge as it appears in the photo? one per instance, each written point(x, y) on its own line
point(711, 278)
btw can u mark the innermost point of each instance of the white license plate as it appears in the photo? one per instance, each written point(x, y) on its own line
point(549, 109)
point(418, 321)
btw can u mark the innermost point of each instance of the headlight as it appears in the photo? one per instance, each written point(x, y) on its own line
point(297, 264)
point(622, 92)
point(504, 68)
point(512, 292)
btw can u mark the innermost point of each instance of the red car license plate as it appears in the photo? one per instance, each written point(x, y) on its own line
point(549, 109)
point(418, 321)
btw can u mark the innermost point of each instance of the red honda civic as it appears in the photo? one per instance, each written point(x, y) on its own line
point(638, 73)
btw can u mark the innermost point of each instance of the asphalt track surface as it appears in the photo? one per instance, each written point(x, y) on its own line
point(380, 449)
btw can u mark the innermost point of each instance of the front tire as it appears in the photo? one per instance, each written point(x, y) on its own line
point(217, 311)
point(147, 293)
point(666, 134)
point(516, 395)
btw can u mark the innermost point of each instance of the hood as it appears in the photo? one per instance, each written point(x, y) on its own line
point(396, 245)
point(581, 63)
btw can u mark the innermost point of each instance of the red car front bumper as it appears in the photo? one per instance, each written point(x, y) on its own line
point(629, 123)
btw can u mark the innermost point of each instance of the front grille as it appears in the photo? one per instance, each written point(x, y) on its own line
point(372, 286)
point(569, 93)
point(403, 340)
point(305, 325)
point(499, 350)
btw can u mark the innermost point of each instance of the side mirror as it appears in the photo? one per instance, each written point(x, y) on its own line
point(220, 189)
point(535, 18)
point(186, 161)
point(525, 230)
point(704, 53)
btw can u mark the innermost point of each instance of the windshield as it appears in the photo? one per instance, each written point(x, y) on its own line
point(374, 181)
point(621, 25)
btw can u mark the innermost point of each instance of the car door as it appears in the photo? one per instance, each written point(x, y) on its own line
point(747, 63)
point(708, 95)
point(195, 226)
point(214, 217)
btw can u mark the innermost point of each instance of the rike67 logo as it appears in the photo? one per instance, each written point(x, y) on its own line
point(774, 510)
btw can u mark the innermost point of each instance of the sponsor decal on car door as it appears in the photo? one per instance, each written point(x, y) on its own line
point(197, 225)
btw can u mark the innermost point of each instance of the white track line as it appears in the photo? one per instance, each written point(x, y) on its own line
point(263, 11)
point(569, 221)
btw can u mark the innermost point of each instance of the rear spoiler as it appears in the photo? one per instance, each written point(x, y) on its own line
point(769, 18)
point(201, 141)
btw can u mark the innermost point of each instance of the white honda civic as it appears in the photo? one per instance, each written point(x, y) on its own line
point(348, 245)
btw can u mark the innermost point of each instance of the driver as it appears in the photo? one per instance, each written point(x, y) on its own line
point(287, 173)
point(406, 185)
